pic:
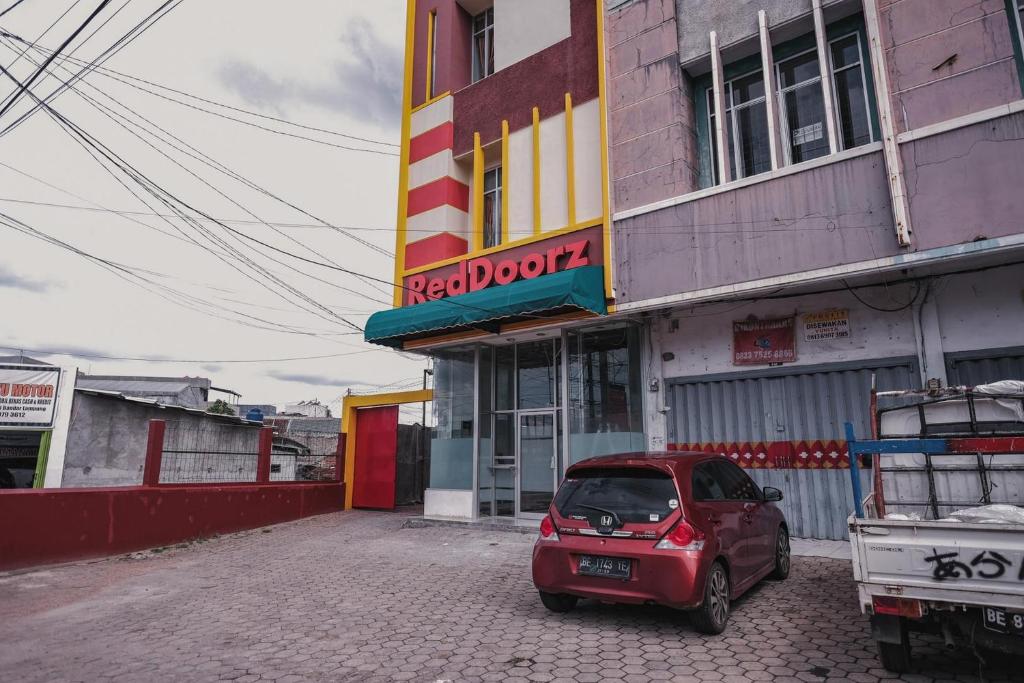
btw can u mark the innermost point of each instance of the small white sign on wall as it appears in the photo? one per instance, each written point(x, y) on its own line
point(827, 325)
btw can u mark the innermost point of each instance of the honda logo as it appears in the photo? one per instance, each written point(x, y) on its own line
point(606, 520)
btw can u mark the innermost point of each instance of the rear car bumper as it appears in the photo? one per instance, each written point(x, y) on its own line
point(674, 578)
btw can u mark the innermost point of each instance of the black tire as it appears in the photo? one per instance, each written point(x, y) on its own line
point(558, 602)
point(782, 556)
point(713, 614)
point(895, 657)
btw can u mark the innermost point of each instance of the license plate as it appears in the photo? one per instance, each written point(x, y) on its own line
point(610, 567)
point(1002, 621)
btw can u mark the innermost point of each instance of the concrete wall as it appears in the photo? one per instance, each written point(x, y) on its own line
point(107, 437)
point(553, 168)
point(947, 58)
point(62, 525)
point(965, 184)
point(829, 215)
point(652, 130)
point(524, 27)
point(702, 338)
point(983, 310)
point(734, 20)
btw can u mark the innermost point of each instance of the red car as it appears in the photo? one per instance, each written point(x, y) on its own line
point(685, 530)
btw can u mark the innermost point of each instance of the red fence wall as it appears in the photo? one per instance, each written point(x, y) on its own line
point(45, 526)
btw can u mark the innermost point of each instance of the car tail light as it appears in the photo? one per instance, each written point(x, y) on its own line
point(899, 607)
point(548, 532)
point(682, 536)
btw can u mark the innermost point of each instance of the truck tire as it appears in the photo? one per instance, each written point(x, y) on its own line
point(895, 657)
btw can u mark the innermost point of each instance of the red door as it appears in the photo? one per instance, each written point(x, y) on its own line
point(376, 448)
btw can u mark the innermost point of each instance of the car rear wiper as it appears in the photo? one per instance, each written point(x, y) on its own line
point(615, 517)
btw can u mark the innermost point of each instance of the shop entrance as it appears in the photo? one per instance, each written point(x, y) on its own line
point(520, 438)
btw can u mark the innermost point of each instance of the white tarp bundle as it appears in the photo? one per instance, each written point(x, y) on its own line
point(1006, 387)
point(990, 514)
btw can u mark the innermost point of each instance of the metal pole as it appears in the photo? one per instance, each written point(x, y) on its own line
point(858, 494)
point(154, 453)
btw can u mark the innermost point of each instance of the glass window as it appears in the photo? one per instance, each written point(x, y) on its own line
point(634, 494)
point(451, 448)
point(747, 127)
point(802, 104)
point(734, 482)
point(538, 374)
point(705, 485)
point(483, 45)
point(492, 207)
point(848, 80)
point(605, 393)
point(504, 377)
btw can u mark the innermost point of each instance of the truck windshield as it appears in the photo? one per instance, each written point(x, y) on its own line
point(636, 495)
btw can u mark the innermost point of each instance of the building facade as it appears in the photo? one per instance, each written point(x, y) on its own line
point(782, 200)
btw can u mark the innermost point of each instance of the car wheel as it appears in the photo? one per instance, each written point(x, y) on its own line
point(895, 657)
point(782, 558)
point(558, 602)
point(712, 616)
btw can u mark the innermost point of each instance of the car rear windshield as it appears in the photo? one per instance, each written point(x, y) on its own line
point(636, 495)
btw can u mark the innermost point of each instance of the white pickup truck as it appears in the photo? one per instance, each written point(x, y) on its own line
point(938, 545)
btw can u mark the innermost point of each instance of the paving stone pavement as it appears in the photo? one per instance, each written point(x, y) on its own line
point(354, 597)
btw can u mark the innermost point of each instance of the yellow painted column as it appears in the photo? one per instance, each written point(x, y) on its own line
point(570, 161)
point(602, 98)
point(403, 162)
point(478, 193)
point(536, 171)
point(431, 23)
point(504, 182)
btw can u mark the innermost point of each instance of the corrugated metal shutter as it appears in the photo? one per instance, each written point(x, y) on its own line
point(811, 404)
point(985, 366)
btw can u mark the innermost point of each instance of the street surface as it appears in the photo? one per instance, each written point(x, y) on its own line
point(354, 597)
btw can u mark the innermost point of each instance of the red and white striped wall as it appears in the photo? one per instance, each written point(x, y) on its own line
point(438, 223)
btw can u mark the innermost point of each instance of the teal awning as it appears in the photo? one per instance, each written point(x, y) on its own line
point(561, 292)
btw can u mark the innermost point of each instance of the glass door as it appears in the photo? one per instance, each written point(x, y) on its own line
point(538, 461)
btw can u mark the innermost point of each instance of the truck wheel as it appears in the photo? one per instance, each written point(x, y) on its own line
point(782, 559)
point(712, 616)
point(558, 602)
point(895, 656)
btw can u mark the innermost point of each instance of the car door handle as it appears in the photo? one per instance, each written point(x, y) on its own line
point(749, 519)
point(717, 521)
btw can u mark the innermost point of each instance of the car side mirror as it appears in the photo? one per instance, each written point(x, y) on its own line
point(772, 494)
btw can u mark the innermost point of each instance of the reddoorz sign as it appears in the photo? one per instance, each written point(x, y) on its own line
point(525, 262)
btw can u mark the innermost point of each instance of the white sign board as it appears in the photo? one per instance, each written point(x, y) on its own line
point(28, 395)
point(827, 325)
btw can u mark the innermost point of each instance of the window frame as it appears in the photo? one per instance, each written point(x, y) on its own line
point(488, 32)
point(836, 31)
point(780, 101)
point(496, 172)
point(832, 71)
point(731, 122)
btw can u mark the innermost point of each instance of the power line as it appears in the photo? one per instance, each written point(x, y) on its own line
point(43, 34)
point(22, 87)
point(125, 78)
point(162, 195)
point(151, 359)
point(169, 294)
point(16, 3)
point(124, 41)
point(213, 163)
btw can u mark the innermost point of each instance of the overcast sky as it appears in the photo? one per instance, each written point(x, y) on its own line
point(321, 63)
